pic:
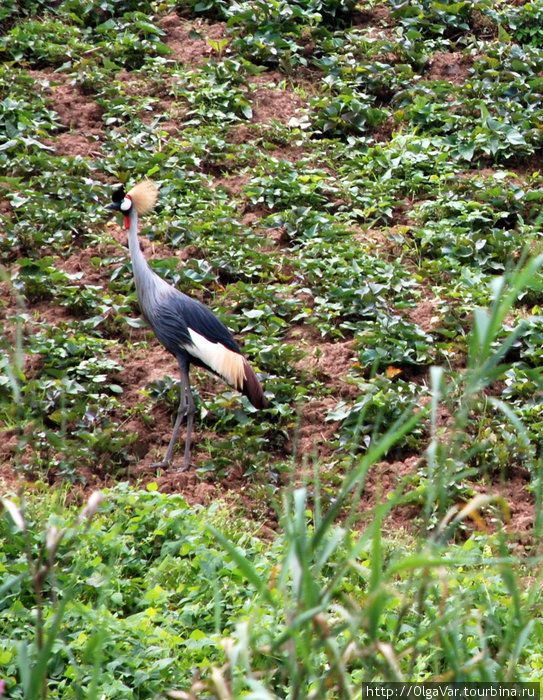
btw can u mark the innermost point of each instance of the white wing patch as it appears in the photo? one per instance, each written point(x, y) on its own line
point(220, 359)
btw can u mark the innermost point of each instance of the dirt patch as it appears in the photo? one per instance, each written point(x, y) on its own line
point(5, 206)
point(233, 184)
point(70, 144)
point(79, 115)
point(424, 315)
point(483, 25)
point(274, 104)
point(329, 362)
point(293, 154)
point(77, 112)
point(519, 499)
point(314, 437)
point(381, 481)
point(452, 67)
point(9, 480)
point(241, 133)
point(193, 42)
point(376, 17)
point(514, 507)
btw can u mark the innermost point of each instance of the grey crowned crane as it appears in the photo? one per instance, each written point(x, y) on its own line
point(184, 326)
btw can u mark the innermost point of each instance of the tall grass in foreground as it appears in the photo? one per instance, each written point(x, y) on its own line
point(34, 656)
point(343, 607)
point(128, 606)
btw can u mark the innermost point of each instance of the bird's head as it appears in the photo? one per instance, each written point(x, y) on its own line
point(122, 202)
point(142, 198)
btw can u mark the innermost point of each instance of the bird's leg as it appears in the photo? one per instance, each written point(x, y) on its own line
point(186, 409)
point(190, 409)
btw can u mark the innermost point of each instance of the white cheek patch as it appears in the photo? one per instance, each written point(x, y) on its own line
point(125, 204)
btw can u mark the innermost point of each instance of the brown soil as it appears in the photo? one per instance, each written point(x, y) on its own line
point(452, 67)
point(77, 111)
point(273, 103)
point(192, 42)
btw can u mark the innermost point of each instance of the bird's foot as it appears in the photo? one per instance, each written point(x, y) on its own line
point(167, 464)
point(185, 467)
point(164, 464)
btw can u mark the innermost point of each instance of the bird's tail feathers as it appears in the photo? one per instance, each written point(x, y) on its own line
point(228, 364)
point(252, 388)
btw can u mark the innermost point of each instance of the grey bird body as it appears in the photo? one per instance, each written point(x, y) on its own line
point(186, 328)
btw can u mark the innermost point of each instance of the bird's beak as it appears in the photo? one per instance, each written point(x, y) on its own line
point(112, 207)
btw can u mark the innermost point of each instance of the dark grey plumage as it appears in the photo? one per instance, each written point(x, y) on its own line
point(186, 328)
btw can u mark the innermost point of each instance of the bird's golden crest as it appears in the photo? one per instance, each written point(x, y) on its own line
point(144, 196)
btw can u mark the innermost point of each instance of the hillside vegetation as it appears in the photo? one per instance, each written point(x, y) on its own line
point(355, 189)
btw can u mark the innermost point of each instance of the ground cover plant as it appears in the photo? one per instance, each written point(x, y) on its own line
point(355, 189)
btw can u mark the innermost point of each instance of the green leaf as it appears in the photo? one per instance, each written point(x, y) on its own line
point(467, 150)
point(245, 566)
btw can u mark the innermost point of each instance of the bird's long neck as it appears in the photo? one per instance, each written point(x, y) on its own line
point(139, 263)
point(149, 286)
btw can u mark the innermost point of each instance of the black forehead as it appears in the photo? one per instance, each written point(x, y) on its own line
point(118, 195)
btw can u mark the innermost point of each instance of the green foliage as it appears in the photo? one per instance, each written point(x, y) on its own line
point(346, 607)
point(525, 23)
point(23, 118)
point(284, 186)
point(381, 404)
point(393, 341)
point(132, 588)
point(216, 93)
point(43, 43)
point(430, 17)
point(13, 9)
point(129, 40)
point(320, 609)
point(269, 33)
